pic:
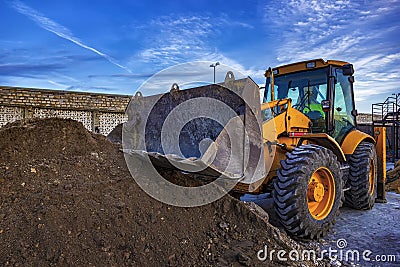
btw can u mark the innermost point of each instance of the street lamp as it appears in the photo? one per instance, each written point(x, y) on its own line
point(214, 65)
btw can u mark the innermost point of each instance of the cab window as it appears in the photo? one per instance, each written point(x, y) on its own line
point(343, 106)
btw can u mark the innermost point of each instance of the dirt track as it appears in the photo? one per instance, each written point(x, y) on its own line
point(67, 198)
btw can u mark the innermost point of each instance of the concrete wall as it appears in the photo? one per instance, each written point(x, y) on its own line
point(96, 111)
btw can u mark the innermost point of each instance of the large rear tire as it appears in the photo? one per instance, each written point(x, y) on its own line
point(362, 181)
point(308, 191)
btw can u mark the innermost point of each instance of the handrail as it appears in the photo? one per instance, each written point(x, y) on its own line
point(387, 114)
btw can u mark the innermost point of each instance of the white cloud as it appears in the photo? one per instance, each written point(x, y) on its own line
point(58, 85)
point(376, 75)
point(59, 30)
point(178, 39)
point(323, 28)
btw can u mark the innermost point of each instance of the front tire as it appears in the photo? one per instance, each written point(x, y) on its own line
point(362, 181)
point(308, 191)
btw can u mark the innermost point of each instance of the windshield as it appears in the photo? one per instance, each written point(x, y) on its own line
point(300, 87)
point(307, 89)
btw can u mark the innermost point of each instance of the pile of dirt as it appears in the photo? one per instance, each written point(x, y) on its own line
point(393, 178)
point(115, 135)
point(67, 198)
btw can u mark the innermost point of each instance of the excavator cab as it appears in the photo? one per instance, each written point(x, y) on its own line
point(323, 91)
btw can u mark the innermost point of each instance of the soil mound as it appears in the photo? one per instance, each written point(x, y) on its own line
point(67, 198)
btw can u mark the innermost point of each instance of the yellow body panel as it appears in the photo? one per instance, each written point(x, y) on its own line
point(322, 139)
point(352, 140)
point(380, 137)
point(290, 120)
point(297, 121)
point(272, 127)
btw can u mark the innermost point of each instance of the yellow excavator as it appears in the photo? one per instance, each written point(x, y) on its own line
point(299, 143)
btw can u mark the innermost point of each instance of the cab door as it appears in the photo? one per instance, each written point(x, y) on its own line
point(343, 105)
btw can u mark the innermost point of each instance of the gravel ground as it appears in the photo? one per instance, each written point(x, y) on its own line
point(376, 230)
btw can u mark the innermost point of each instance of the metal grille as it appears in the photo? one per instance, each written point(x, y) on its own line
point(85, 117)
point(10, 114)
point(108, 121)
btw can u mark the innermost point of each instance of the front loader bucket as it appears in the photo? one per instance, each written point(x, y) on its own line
point(212, 130)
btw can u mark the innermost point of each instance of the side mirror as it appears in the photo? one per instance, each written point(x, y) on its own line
point(348, 69)
point(354, 112)
point(326, 105)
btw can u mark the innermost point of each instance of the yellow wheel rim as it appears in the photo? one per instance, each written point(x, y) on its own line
point(371, 177)
point(321, 193)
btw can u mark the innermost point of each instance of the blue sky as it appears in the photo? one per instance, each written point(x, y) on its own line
point(113, 46)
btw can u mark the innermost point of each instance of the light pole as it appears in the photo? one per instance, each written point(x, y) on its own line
point(214, 65)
